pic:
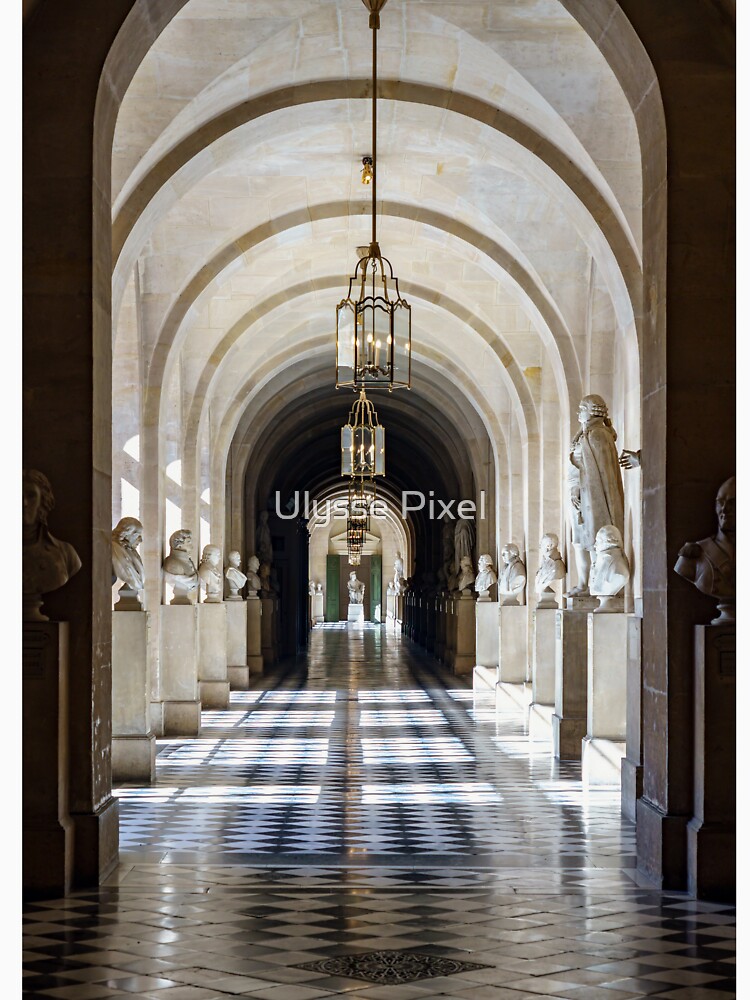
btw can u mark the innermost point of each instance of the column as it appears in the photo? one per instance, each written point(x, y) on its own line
point(513, 658)
point(254, 641)
point(179, 669)
point(133, 742)
point(542, 705)
point(487, 648)
point(631, 776)
point(571, 665)
point(465, 650)
point(213, 680)
point(238, 673)
point(603, 746)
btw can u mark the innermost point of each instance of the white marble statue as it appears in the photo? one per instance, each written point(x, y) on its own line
point(710, 564)
point(356, 589)
point(551, 568)
point(512, 579)
point(234, 576)
point(253, 580)
point(391, 589)
point(595, 482)
point(399, 580)
point(318, 588)
point(179, 569)
point(465, 574)
point(486, 577)
point(209, 574)
point(127, 564)
point(263, 545)
point(610, 570)
point(463, 544)
point(446, 574)
point(311, 588)
point(48, 563)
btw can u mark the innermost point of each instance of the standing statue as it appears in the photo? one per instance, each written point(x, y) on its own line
point(179, 569)
point(466, 574)
point(446, 573)
point(595, 481)
point(263, 545)
point(234, 576)
point(610, 570)
point(513, 575)
point(209, 574)
point(264, 572)
point(253, 580)
point(127, 564)
point(551, 568)
point(48, 563)
point(356, 589)
point(399, 580)
point(463, 544)
point(710, 563)
point(486, 577)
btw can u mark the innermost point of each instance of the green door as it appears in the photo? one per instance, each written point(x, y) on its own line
point(332, 588)
point(376, 588)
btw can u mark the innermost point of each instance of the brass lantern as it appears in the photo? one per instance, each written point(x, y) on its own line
point(363, 441)
point(373, 322)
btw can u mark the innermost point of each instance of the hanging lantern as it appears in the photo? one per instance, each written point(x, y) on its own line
point(363, 441)
point(373, 322)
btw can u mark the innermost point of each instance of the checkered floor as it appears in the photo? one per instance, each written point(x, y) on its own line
point(360, 804)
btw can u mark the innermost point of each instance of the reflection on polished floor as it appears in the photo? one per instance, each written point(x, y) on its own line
point(357, 826)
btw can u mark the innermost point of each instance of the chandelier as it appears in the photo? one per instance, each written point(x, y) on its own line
point(373, 323)
point(359, 503)
point(363, 441)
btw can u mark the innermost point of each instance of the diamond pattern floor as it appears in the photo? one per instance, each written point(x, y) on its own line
point(361, 803)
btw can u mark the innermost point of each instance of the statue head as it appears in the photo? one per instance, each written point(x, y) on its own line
point(485, 563)
point(211, 555)
point(608, 537)
point(253, 564)
point(38, 499)
point(510, 553)
point(466, 565)
point(590, 407)
point(353, 575)
point(548, 543)
point(234, 558)
point(180, 540)
point(725, 506)
point(128, 532)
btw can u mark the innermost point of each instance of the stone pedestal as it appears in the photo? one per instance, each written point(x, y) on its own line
point(711, 838)
point(267, 631)
point(603, 747)
point(631, 775)
point(179, 669)
point(569, 721)
point(47, 827)
point(464, 657)
point(542, 705)
point(390, 607)
point(254, 640)
point(513, 659)
point(213, 680)
point(487, 649)
point(356, 614)
point(133, 742)
point(238, 673)
point(318, 610)
point(400, 608)
point(484, 682)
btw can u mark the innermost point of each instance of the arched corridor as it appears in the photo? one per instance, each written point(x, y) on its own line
point(359, 824)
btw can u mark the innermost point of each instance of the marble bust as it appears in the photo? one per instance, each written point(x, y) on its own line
point(486, 577)
point(48, 563)
point(399, 580)
point(318, 588)
point(463, 544)
point(512, 576)
point(234, 576)
point(179, 569)
point(710, 564)
point(253, 580)
point(311, 588)
point(264, 572)
point(209, 574)
point(127, 565)
point(610, 571)
point(551, 568)
point(595, 484)
point(356, 589)
point(466, 573)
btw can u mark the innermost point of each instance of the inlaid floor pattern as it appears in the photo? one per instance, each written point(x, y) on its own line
point(356, 825)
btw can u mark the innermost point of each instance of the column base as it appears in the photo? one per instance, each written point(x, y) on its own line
point(662, 846)
point(711, 849)
point(96, 839)
point(239, 678)
point(156, 718)
point(214, 695)
point(511, 697)
point(631, 787)
point(48, 859)
point(601, 762)
point(540, 722)
point(134, 758)
point(567, 736)
point(255, 663)
point(484, 681)
point(182, 718)
point(463, 665)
